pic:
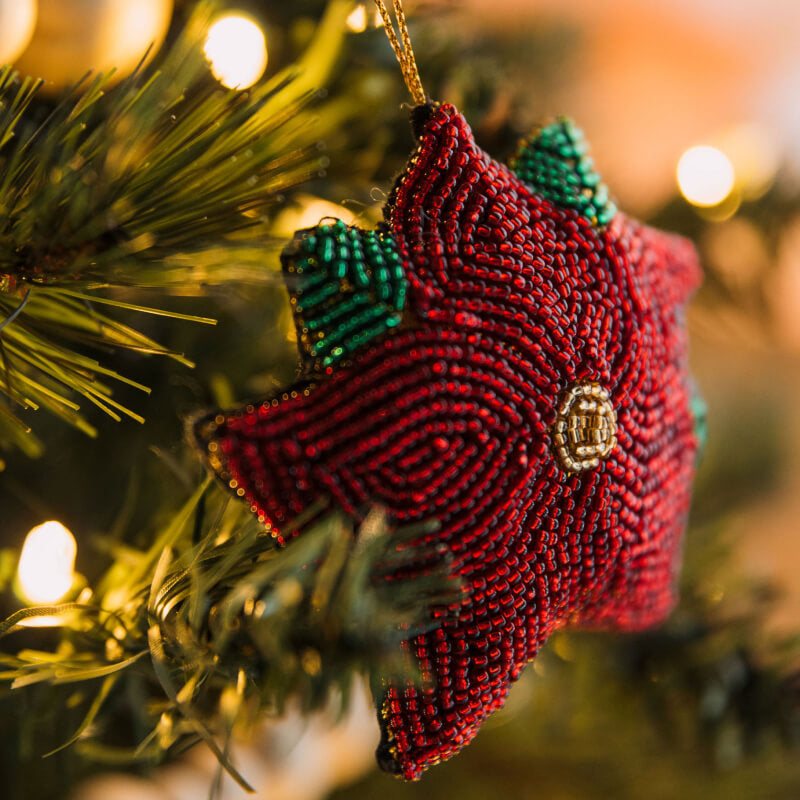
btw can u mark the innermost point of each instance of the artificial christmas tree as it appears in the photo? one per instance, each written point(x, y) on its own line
point(190, 623)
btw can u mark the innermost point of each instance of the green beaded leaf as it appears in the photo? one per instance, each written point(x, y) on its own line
point(347, 287)
point(555, 162)
point(699, 411)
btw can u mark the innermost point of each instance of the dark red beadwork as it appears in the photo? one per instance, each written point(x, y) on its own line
point(511, 300)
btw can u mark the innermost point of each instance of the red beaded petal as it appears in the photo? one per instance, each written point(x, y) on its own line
point(511, 302)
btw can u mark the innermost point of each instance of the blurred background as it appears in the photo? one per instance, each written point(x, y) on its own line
point(692, 112)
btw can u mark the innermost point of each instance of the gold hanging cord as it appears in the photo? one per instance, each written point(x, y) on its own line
point(404, 53)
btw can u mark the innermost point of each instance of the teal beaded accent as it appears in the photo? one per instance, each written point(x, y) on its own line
point(699, 411)
point(347, 287)
point(555, 162)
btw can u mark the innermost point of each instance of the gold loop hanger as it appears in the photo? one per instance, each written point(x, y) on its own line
point(404, 52)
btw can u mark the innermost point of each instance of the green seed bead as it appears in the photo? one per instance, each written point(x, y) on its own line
point(326, 250)
point(556, 163)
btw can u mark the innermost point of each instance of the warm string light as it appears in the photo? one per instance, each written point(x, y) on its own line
point(357, 20)
point(19, 21)
point(705, 176)
point(740, 165)
point(236, 50)
point(308, 211)
point(755, 156)
point(46, 568)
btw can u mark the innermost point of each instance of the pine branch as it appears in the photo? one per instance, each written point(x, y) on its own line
point(159, 182)
point(233, 627)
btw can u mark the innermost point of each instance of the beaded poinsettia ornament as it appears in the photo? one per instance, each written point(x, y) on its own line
point(506, 355)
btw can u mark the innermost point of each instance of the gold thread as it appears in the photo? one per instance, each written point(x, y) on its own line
point(404, 52)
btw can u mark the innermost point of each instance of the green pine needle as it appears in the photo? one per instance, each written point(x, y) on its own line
point(159, 182)
point(229, 628)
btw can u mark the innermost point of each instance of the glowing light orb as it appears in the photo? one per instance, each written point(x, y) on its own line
point(705, 176)
point(47, 563)
point(17, 21)
point(755, 155)
point(236, 50)
point(357, 21)
point(308, 212)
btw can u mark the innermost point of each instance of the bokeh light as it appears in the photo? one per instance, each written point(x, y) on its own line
point(307, 211)
point(18, 22)
point(357, 21)
point(705, 176)
point(755, 156)
point(47, 563)
point(236, 50)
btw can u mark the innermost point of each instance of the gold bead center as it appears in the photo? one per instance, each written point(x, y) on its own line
point(585, 430)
